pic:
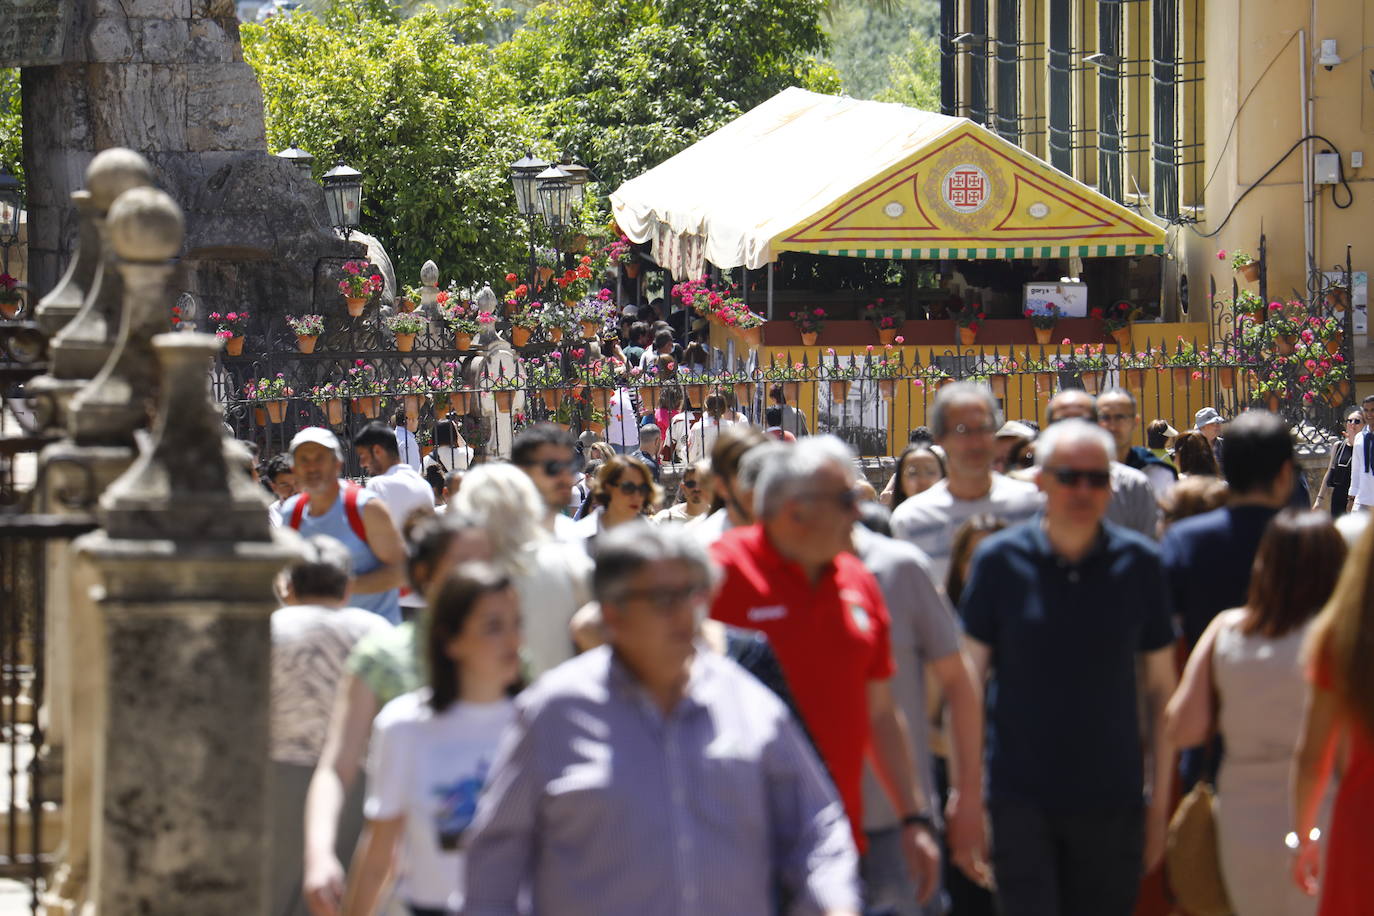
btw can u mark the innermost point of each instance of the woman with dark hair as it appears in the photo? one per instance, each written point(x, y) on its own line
point(622, 491)
point(431, 747)
point(1244, 681)
point(1193, 455)
point(701, 438)
point(1338, 733)
point(966, 541)
point(918, 469)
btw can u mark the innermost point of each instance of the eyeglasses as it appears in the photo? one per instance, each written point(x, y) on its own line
point(1072, 477)
point(845, 499)
point(630, 489)
point(691, 483)
point(666, 600)
point(1116, 417)
point(964, 429)
point(550, 468)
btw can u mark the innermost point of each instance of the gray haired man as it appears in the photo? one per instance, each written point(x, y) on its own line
point(650, 775)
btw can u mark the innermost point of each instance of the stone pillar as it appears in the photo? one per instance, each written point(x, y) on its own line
point(72, 477)
point(185, 561)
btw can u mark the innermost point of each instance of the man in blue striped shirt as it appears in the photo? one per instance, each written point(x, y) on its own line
point(651, 775)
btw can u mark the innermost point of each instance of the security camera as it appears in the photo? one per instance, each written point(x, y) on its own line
point(1328, 58)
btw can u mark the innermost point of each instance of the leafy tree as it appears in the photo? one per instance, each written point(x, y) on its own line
point(868, 37)
point(11, 135)
point(625, 84)
point(417, 105)
point(914, 77)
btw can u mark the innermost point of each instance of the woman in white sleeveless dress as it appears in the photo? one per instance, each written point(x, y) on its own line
point(1245, 679)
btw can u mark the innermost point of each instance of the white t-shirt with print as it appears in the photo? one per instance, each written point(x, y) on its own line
point(430, 768)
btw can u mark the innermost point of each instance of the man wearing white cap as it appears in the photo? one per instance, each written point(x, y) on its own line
point(1208, 422)
point(355, 517)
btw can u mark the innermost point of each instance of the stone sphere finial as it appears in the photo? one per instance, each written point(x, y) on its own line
point(115, 171)
point(146, 225)
point(429, 274)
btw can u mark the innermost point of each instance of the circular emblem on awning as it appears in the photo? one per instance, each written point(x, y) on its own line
point(1038, 210)
point(965, 188)
point(893, 210)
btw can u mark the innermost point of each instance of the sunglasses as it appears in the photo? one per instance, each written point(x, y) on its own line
point(1072, 477)
point(1356, 420)
point(630, 489)
point(550, 468)
point(691, 483)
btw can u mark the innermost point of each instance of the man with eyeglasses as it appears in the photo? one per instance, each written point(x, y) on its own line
point(651, 775)
point(545, 453)
point(791, 575)
point(693, 488)
point(1133, 504)
point(1116, 412)
point(1361, 495)
point(964, 420)
point(1058, 615)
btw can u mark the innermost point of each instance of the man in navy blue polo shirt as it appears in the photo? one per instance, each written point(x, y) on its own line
point(1057, 613)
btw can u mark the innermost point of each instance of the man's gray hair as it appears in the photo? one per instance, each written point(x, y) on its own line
point(960, 393)
point(1073, 432)
point(794, 471)
point(751, 466)
point(624, 550)
point(322, 570)
point(1119, 393)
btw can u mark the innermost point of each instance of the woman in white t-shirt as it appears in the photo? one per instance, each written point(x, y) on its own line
point(702, 435)
point(431, 748)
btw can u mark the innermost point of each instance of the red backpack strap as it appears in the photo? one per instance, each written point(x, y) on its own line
point(298, 510)
point(351, 493)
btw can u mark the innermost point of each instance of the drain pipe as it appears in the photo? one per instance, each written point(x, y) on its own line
point(1309, 210)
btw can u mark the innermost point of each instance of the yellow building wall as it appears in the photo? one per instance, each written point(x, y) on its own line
point(1254, 115)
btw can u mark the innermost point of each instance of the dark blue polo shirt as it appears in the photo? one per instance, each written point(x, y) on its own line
point(1208, 559)
point(1063, 726)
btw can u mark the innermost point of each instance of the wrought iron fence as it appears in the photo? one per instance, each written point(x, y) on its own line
point(870, 396)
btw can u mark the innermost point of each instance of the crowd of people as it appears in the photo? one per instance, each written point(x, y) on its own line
point(540, 686)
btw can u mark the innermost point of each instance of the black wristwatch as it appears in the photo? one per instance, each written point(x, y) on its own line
point(920, 820)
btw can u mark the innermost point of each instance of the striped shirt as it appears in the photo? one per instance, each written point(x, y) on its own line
point(603, 806)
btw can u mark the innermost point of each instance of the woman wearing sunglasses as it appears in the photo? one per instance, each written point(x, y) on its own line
point(1338, 468)
point(623, 490)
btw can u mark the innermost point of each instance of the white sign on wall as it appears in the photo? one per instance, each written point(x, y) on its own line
point(1071, 297)
point(1359, 295)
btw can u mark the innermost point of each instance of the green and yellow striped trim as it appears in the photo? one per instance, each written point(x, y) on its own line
point(1038, 251)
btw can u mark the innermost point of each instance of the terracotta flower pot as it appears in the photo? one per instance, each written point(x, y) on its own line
point(1134, 378)
point(460, 402)
point(744, 392)
point(631, 269)
point(406, 305)
point(589, 329)
point(1250, 272)
point(1092, 381)
point(234, 346)
point(1273, 402)
point(544, 273)
point(276, 411)
point(1333, 344)
point(426, 451)
point(967, 336)
point(1043, 335)
point(601, 397)
point(333, 411)
point(1181, 376)
point(355, 305)
point(697, 393)
point(505, 399)
point(1122, 336)
point(998, 383)
point(9, 308)
point(462, 341)
point(259, 416)
point(555, 335)
point(839, 391)
point(368, 406)
point(1226, 377)
point(596, 426)
point(1285, 344)
point(809, 338)
point(1044, 382)
point(1338, 299)
point(1334, 398)
point(551, 397)
point(792, 391)
point(887, 388)
point(306, 342)
point(887, 335)
point(412, 405)
point(520, 335)
point(405, 342)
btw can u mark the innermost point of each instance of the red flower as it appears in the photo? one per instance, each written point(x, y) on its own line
point(511, 278)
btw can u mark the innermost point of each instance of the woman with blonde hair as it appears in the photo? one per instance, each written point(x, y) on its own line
point(1339, 721)
point(552, 577)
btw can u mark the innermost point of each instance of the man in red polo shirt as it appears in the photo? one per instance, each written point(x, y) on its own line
point(792, 576)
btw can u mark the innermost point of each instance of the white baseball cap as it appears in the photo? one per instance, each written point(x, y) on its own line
point(318, 435)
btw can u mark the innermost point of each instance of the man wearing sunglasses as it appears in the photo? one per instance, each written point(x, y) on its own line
point(1059, 613)
point(545, 453)
point(693, 489)
point(1132, 501)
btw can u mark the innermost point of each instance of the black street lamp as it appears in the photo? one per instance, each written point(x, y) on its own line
point(524, 177)
point(343, 194)
point(577, 174)
point(555, 196)
point(11, 205)
point(297, 157)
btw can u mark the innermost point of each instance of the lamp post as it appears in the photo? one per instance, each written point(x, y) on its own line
point(524, 178)
point(343, 194)
point(577, 174)
point(298, 157)
point(11, 204)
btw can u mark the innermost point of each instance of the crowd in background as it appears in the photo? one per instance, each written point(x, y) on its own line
point(545, 685)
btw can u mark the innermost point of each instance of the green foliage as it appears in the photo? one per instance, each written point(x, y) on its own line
point(914, 77)
point(11, 137)
point(626, 84)
point(869, 38)
point(420, 108)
